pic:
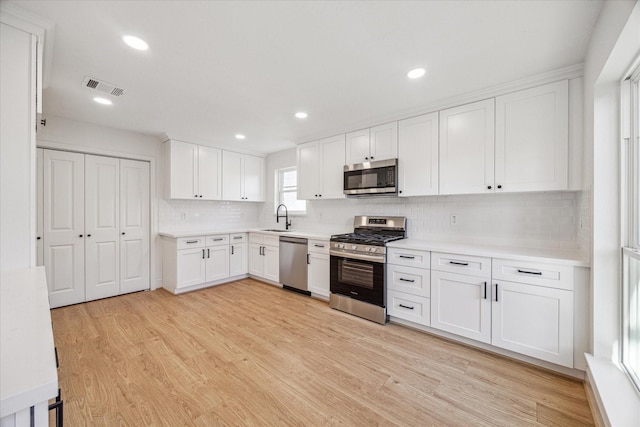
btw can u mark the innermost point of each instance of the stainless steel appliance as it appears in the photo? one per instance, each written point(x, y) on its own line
point(293, 264)
point(377, 178)
point(358, 266)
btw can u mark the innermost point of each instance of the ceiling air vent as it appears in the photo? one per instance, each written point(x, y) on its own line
point(105, 87)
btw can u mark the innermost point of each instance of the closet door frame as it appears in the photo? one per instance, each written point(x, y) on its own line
point(155, 168)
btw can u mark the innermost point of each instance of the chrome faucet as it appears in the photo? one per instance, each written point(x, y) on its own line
point(287, 223)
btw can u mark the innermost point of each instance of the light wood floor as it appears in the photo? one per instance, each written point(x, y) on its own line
point(248, 353)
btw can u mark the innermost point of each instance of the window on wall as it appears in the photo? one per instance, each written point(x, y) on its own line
point(631, 227)
point(287, 191)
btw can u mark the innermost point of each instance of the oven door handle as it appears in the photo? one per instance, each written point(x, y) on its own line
point(372, 258)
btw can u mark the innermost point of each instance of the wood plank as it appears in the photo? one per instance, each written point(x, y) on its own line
point(248, 353)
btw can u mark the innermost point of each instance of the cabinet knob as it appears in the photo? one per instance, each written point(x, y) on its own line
point(400, 192)
point(366, 158)
point(488, 187)
point(316, 195)
point(201, 196)
point(123, 233)
point(499, 186)
point(195, 195)
point(38, 238)
point(88, 235)
point(319, 195)
point(80, 235)
point(371, 157)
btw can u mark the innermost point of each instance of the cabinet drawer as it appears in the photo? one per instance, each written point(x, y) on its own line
point(415, 281)
point(319, 246)
point(534, 273)
point(256, 238)
point(409, 307)
point(190, 242)
point(217, 239)
point(237, 238)
point(271, 240)
point(461, 264)
point(408, 257)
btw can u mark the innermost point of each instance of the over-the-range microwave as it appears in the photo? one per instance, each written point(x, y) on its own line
point(378, 178)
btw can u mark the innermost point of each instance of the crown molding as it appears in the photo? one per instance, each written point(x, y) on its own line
point(165, 137)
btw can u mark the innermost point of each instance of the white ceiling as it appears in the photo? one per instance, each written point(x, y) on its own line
point(215, 69)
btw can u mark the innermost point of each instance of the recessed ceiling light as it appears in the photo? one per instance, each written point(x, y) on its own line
point(416, 73)
point(240, 136)
point(135, 42)
point(301, 115)
point(103, 101)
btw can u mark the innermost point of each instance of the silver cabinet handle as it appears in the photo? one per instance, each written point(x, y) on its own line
point(218, 239)
point(191, 241)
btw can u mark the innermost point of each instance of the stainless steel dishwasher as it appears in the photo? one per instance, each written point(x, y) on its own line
point(293, 264)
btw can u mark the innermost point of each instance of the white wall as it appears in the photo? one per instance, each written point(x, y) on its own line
point(610, 51)
point(533, 220)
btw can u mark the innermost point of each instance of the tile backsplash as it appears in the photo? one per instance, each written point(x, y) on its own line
point(555, 220)
point(533, 220)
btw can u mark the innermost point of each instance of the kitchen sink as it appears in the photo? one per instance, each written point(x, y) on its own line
point(275, 231)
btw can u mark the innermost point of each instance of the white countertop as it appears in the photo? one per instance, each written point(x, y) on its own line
point(555, 256)
point(292, 233)
point(27, 358)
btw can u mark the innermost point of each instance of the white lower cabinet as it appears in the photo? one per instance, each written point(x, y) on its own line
point(522, 306)
point(191, 263)
point(409, 285)
point(319, 270)
point(461, 305)
point(264, 256)
point(460, 295)
point(239, 254)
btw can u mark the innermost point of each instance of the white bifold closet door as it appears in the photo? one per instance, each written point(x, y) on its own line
point(64, 227)
point(102, 224)
point(96, 226)
point(134, 226)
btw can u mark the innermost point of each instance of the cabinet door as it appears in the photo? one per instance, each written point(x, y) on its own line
point(64, 227)
point(102, 226)
point(357, 147)
point(461, 305)
point(532, 140)
point(39, 206)
point(253, 174)
point(383, 142)
point(331, 178)
point(238, 260)
point(191, 267)
point(183, 164)
point(467, 148)
point(209, 173)
point(231, 176)
point(533, 320)
point(217, 263)
point(256, 260)
point(134, 226)
point(418, 156)
point(271, 263)
point(318, 273)
point(308, 170)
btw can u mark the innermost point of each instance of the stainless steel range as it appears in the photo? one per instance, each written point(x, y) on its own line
point(358, 266)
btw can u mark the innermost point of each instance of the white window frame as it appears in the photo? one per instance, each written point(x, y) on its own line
point(630, 121)
point(278, 191)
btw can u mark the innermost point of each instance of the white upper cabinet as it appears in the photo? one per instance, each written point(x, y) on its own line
point(321, 169)
point(526, 150)
point(194, 171)
point(467, 148)
point(418, 156)
point(532, 140)
point(242, 177)
point(377, 143)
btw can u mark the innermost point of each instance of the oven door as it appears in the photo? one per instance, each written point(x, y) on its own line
point(358, 279)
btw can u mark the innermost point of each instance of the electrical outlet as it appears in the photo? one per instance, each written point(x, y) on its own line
point(453, 219)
